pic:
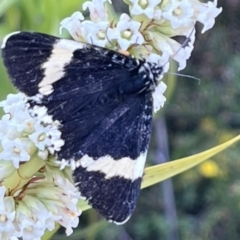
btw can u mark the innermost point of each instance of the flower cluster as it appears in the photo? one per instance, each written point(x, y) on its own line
point(148, 30)
point(46, 197)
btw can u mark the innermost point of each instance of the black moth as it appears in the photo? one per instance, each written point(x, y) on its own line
point(103, 100)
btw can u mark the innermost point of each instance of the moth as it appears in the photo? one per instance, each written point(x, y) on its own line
point(103, 100)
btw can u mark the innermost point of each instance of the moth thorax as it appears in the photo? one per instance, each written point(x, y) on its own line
point(152, 73)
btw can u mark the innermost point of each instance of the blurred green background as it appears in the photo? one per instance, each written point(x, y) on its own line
point(203, 203)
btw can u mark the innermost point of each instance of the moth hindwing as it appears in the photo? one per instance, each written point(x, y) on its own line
point(103, 101)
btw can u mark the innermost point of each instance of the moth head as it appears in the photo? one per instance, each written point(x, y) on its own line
point(152, 72)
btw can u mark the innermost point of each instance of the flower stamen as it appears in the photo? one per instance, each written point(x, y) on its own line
point(177, 11)
point(3, 218)
point(143, 3)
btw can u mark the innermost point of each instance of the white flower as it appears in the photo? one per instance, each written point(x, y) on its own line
point(182, 53)
point(129, 32)
point(144, 7)
point(174, 49)
point(11, 238)
point(43, 154)
point(70, 191)
point(162, 60)
point(7, 216)
point(99, 33)
point(207, 14)
point(74, 25)
point(15, 151)
point(39, 137)
point(60, 198)
point(55, 146)
point(157, 14)
point(6, 169)
point(37, 208)
point(7, 129)
point(161, 42)
point(97, 10)
point(47, 137)
point(30, 226)
point(158, 98)
point(20, 118)
point(13, 101)
point(8, 236)
point(40, 113)
point(178, 13)
point(7, 211)
point(15, 108)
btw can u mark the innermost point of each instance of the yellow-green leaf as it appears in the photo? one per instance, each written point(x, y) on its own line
point(158, 173)
point(161, 172)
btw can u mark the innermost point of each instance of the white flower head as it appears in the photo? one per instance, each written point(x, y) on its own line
point(128, 32)
point(146, 7)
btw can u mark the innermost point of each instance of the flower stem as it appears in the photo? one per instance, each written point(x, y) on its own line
point(22, 175)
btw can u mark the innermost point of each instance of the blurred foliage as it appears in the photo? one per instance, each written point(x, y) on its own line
point(198, 117)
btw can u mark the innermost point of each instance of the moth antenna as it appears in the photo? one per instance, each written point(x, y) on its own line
point(182, 46)
point(136, 41)
point(114, 47)
point(126, 53)
point(185, 75)
point(141, 56)
point(91, 41)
